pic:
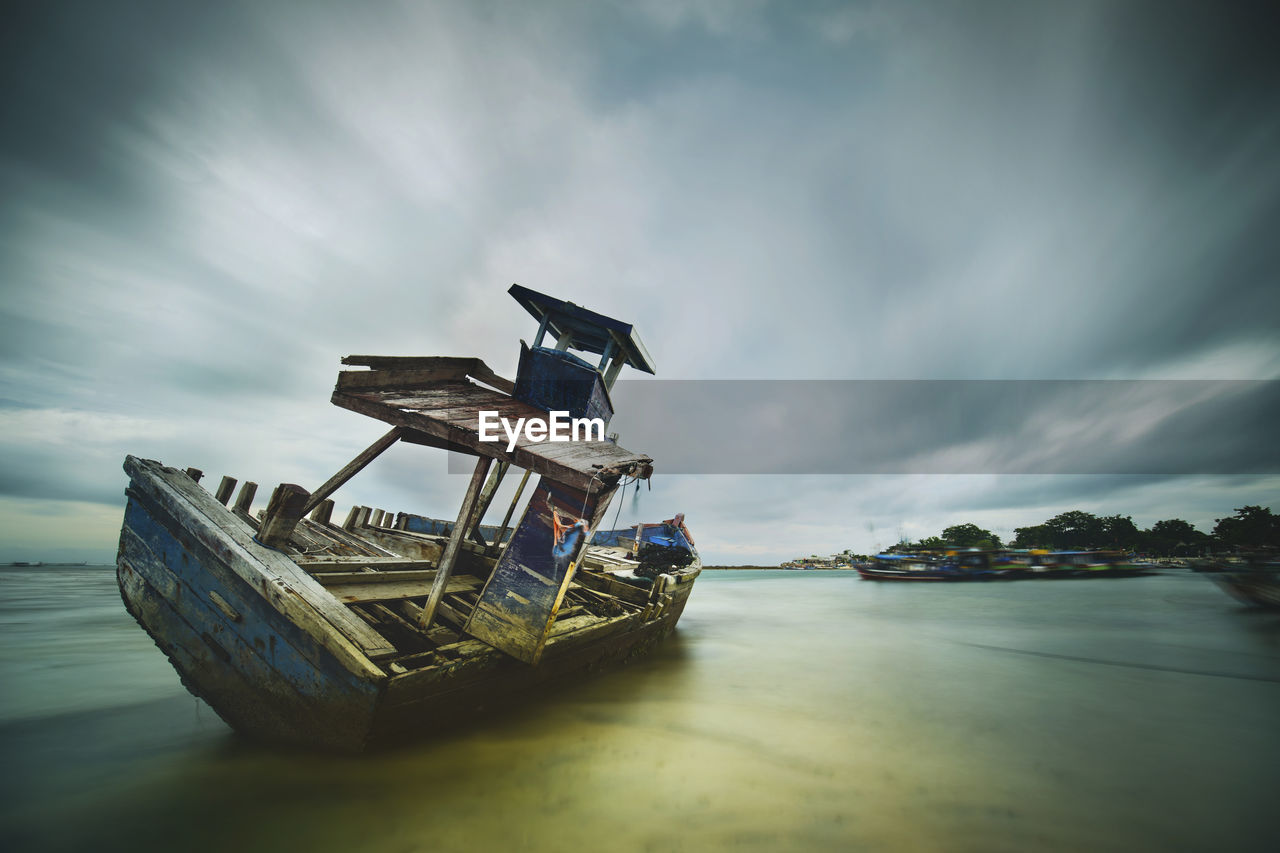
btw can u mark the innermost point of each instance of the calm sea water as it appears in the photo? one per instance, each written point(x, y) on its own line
point(792, 711)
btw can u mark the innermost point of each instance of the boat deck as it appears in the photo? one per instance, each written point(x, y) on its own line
point(435, 402)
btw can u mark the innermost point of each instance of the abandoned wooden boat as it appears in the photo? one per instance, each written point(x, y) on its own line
point(299, 630)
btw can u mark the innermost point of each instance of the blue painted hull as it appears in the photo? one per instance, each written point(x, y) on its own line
point(252, 664)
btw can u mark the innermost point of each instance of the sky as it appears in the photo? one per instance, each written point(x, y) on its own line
point(203, 207)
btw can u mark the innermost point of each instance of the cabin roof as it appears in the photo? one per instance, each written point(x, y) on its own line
point(591, 332)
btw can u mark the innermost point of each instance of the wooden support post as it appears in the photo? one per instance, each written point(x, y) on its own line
point(506, 519)
point(225, 490)
point(244, 500)
point(486, 498)
point(611, 375)
point(376, 519)
point(609, 349)
point(355, 466)
point(284, 511)
point(566, 338)
point(542, 329)
point(323, 513)
point(445, 568)
point(352, 518)
point(195, 474)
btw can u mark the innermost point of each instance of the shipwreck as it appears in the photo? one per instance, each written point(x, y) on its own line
point(298, 629)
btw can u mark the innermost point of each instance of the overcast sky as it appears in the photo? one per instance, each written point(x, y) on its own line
point(203, 207)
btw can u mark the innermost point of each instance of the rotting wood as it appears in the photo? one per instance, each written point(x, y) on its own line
point(486, 498)
point(188, 637)
point(195, 474)
point(396, 379)
point(590, 466)
point(527, 586)
point(606, 584)
point(221, 603)
point(245, 499)
point(367, 576)
point(381, 564)
point(441, 635)
point(289, 589)
point(287, 506)
point(473, 367)
point(375, 520)
point(225, 490)
point(355, 466)
point(352, 517)
point(455, 539)
point(506, 519)
point(323, 511)
point(339, 543)
point(407, 545)
point(450, 614)
point(389, 615)
point(388, 589)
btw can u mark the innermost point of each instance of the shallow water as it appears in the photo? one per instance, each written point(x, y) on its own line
point(790, 711)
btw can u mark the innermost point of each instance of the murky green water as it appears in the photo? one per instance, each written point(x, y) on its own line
point(792, 711)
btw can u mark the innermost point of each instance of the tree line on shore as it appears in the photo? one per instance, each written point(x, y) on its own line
point(1250, 528)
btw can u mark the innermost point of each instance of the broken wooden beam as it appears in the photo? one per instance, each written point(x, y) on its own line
point(486, 498)
point(450, 554)
point(506, 519)
point(355, 466)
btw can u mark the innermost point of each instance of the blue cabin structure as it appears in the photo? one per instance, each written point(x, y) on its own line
point(555, 379)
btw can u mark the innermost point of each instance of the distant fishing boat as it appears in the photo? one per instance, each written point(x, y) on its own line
point(954, 566)
point(1252, 579)
point(1096, 563)
point(975, 564)
point(299, 630)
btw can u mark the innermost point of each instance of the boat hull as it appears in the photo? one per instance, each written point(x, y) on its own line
point(263, 675)
point(259, 647)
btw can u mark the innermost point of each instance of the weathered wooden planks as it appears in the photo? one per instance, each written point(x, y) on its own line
point(423, 577)
point(293, 592)
point(520, 601)
point(448, 413)
point(472, 367)
point(359, 592)
point(381, 564)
